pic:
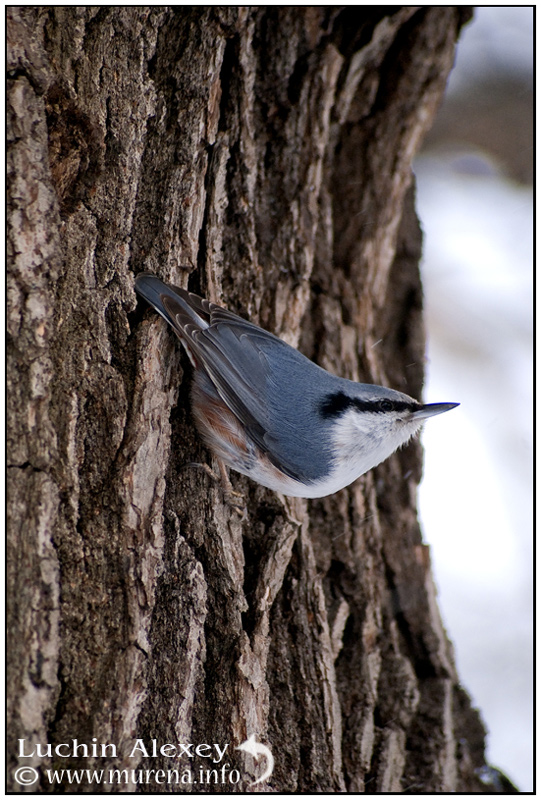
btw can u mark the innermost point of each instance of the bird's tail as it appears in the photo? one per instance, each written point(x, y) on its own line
point(177, 306)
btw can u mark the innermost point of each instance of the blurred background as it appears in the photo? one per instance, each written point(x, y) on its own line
point(475, 203)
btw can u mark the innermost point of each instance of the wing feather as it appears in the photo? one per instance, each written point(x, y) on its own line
point(256, 375)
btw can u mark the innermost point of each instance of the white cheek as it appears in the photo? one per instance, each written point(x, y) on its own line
point(363, 441)
point(357, 443)
point(353, 430)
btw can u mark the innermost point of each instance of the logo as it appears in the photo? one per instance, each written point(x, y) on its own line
point(26, 776)
point(256, 749)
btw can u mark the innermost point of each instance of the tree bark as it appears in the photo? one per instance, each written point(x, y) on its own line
point(262, 157)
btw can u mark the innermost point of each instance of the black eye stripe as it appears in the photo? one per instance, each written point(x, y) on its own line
point(335, 404)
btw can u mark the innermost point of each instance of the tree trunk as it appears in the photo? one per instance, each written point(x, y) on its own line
point(262, 157)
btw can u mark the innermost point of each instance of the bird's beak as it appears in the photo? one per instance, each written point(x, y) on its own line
point(432, 409)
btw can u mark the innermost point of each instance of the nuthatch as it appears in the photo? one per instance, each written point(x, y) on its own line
point(268, 412)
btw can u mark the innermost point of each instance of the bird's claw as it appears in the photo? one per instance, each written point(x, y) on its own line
point(230, 495)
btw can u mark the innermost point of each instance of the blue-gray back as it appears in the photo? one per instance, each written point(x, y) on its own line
point(275, 391)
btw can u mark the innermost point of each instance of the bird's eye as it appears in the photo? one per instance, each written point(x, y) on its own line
point(386, 405)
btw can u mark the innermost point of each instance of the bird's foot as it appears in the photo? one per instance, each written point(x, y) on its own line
point(234, 500)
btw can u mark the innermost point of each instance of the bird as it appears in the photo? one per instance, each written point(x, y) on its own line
point(265, 410)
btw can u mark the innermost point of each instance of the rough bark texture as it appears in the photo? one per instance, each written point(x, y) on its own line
point(261, 156)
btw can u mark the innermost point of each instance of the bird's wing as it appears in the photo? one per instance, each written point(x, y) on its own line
point(255, 374)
